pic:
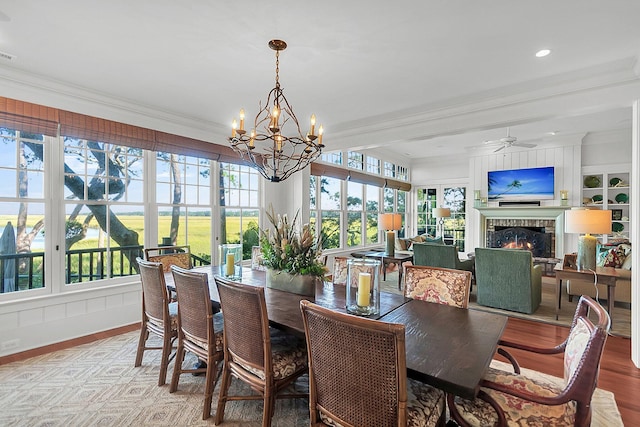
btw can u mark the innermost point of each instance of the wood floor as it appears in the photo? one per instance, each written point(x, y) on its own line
point(617, 373)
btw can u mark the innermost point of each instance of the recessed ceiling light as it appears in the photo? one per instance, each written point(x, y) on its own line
point(542, 53)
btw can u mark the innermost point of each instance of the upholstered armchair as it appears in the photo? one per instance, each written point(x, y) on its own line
point(507, 279)
point(443, 256)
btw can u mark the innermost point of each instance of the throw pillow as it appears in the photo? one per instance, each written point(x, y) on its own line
point(615, 257)
point(437, 240)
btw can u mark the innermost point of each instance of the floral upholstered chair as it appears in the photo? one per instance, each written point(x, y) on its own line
point(170, 255)
point(507, 398)
point(339, 270)
point(440, 285)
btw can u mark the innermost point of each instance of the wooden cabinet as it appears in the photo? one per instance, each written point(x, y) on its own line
point(609, 190)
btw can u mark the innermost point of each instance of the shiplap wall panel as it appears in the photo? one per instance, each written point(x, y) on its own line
point(564, 159)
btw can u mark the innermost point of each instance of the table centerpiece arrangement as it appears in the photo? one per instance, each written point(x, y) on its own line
point(291, 255)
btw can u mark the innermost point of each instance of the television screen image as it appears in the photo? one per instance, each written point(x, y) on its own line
point(521, 184)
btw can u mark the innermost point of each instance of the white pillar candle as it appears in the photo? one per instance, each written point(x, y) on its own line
point(364, 289)
point(230, 264)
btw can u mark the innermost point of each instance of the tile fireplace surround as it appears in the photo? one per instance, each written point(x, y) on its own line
point(549, 217)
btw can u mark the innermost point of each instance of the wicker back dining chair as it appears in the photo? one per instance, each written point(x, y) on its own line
point(267, 359)
point(170, 255)
point(440, 285)
point(358, 373)
point(509, 398)
point(199, 330)
point(159, 316)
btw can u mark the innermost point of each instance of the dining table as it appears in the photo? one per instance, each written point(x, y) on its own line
point(447, 347)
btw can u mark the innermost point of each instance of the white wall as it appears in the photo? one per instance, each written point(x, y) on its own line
point(43, 320)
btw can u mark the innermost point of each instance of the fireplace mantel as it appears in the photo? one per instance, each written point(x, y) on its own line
point(526, 212)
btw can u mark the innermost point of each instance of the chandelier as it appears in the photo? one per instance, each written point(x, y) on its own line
point(276, 155)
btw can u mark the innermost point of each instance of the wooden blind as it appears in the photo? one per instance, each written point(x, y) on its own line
point(322, 169)
point(27, 117)
point(34, 118)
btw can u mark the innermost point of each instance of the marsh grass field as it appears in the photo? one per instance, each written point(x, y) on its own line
point(199, 230)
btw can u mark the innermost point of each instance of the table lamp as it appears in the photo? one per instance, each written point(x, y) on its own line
point(390, 222)
point(586, 221)
point(441, 214)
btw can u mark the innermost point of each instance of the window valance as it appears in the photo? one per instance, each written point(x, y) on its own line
point(323, 169)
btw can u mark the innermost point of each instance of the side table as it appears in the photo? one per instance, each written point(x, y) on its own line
point(605, 276)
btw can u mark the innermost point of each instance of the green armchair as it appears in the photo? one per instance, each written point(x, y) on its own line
point(443, 256)
point(507, 279)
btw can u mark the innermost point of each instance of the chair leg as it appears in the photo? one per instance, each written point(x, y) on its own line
point(164, 360)
point(177, 370)
point(144, 335)
point(269, 407)
point(224, 393)
point(210, 382)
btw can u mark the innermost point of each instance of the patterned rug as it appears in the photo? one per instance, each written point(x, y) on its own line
point(97, 384)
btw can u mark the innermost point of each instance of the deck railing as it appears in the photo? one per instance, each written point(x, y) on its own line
point(26, 271)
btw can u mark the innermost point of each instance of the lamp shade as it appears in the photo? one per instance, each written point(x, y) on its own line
point(442, 213)
point(390, 221)
point(588, 221)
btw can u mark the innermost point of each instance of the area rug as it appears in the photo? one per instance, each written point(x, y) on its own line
point(621, 324)
point(97, 384)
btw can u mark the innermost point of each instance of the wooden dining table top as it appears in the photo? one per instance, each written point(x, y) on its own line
point(447, 347)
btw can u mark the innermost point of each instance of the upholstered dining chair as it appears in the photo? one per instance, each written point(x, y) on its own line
point(513, 399)
point(170, 255)
point(440, 285)
point(339, 276)
point(159, 316)
point(358, 373)
point(267, 359)
point(199, 331)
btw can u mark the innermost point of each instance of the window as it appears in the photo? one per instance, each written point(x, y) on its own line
point(104, 210)
point(356, 160)
point(330, 190)
point(373, 165)
point(332, 200)
point(453, 198)
point(183, 197)
point(22, 211)
point(389, 170)
point(239, 206)
point(334, 158)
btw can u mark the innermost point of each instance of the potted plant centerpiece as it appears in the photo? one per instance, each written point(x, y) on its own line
point(292, 256)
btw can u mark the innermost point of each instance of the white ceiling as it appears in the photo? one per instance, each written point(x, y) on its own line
point(417, 78)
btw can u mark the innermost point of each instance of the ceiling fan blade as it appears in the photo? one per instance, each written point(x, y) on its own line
point(492, 141)
point(523, 144)
point(501, 148)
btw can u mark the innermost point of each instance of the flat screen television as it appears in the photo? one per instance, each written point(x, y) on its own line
point(521, 184)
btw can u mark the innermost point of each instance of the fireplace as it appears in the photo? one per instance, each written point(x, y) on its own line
point(543, 224)
point(533, 239)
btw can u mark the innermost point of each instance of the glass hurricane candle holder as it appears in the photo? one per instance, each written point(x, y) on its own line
point(363, 286)
point(230, 261)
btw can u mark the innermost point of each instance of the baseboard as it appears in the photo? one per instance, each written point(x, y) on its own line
point(23, 355)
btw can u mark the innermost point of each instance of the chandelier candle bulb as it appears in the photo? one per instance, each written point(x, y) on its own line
point(364, 289)
point(320, 132)
point(234, 126)
point(242, 119)
point(312, 130)
point(252, 140)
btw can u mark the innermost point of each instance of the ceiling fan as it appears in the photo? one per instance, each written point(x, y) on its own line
point(508, 141)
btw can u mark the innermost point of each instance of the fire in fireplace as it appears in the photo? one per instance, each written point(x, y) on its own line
point(533, 239)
